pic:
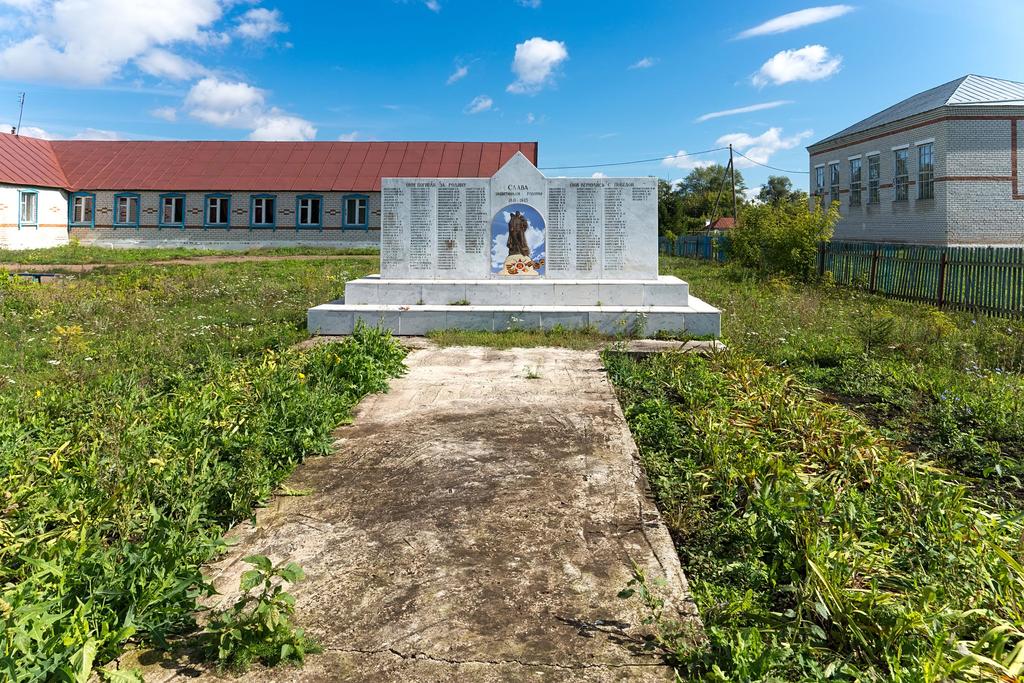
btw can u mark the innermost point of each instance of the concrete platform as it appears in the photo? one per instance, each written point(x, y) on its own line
point(664, 291)
point(697, 318)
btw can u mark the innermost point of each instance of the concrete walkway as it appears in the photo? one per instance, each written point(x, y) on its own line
point(474, 524)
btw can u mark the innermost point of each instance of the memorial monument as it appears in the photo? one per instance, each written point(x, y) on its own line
point(518, 250)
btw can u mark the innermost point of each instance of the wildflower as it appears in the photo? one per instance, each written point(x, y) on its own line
point(39, 393)
point(302, 377)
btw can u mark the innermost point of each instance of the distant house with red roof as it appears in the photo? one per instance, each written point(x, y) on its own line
point(722, 223)
point(216, 194)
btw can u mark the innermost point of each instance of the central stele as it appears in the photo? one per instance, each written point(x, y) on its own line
point(518, 250)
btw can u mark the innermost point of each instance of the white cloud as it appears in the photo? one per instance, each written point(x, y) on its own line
point(457, 75)
point(535, 64)
point(433, 5)
point(28, 131)
point(90, 41)
point(760, 148)
point(278, 126)
point(598, 174)
point(530, 118)
point(163, 64)
point(798, 19)
point(165, 113)
point(644, 63)
point(260, 23)
point(809, 63)
point(681, 160)
point(349, 137)
point(240, 105)
point(742, 110)
point(480, 103)
point(97, 134)
point(532, 4)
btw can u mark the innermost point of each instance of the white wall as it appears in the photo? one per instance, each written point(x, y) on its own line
point(52, 228)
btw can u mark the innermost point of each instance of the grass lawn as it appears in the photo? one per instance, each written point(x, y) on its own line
point(75, 254)
point(842, 484)
point(142, 411)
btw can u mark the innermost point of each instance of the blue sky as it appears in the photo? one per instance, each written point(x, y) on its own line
point(593, 82)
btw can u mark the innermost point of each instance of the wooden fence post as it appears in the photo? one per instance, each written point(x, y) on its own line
point(941, 295)
point(874, 270)
point(821, 259)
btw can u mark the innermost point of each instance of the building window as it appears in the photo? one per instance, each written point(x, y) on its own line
point(126, 210)
point(874, 173)
point(172, 210)
point(925, 172)
point(819, 180)
point(218, 211)
point(833, 182)
point(855, 182)
point(83, 207)
point(28, 208)
point(310, 211)
point(261, 211)
point(900, 177)
point(356, 212)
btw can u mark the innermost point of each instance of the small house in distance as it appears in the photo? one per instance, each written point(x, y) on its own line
point(942, 167)
point(216, 194)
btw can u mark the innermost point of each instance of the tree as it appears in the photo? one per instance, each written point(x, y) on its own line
point(783, 238)
point(700, 191)
point(687, 205)
point(778, 190)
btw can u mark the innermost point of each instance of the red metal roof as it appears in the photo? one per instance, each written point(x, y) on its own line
point(29, 161)
point(244, 166)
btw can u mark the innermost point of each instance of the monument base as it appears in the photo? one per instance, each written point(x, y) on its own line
point(640, 307)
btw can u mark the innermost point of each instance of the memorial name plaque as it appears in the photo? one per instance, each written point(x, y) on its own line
point(519, 224)
point(518, 250)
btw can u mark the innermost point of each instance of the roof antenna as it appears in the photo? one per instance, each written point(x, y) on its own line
point(21, 110)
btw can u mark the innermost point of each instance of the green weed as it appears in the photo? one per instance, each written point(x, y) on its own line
point(258, 627)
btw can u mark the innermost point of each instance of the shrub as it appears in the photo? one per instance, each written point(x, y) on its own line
point(782, 239)
point(115, 493)
point(815, 548)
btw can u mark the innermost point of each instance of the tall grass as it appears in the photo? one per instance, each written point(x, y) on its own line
point(141, 414)
point(816, 549)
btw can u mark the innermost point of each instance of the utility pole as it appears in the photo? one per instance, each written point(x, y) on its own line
point(21, 110)
point(732, 170)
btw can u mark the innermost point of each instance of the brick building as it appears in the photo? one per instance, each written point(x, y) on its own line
point(216, 194)
point(942, 167)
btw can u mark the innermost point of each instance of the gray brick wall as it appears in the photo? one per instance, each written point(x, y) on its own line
point(920, 221)
point(974, 196)
point(239, 234)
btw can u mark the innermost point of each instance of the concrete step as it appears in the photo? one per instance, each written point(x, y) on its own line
point(697, 318)
point(665, 291)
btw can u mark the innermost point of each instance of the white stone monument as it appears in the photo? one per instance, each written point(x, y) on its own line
point(518, 250)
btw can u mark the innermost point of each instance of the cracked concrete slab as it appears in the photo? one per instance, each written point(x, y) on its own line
point(475, 523)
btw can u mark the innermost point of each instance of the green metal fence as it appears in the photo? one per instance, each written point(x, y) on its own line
point(695, 246)
point(988, 279)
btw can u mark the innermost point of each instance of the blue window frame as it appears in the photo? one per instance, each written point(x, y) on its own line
point(217, 210)
point(172, 210)
point(262, 211)
point(28, 209)
point(82, 209)
point(355, 212)
point(309, 212)
point(126, 210)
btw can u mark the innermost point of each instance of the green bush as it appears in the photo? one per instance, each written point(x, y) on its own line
point(119, 473)
point(782, 238)
point(815, 548)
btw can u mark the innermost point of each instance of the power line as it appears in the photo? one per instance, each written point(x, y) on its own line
point(638, 161)
point(774, 168)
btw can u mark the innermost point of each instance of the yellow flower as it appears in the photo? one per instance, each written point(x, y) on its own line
point(302, 377)
point(39, 393)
